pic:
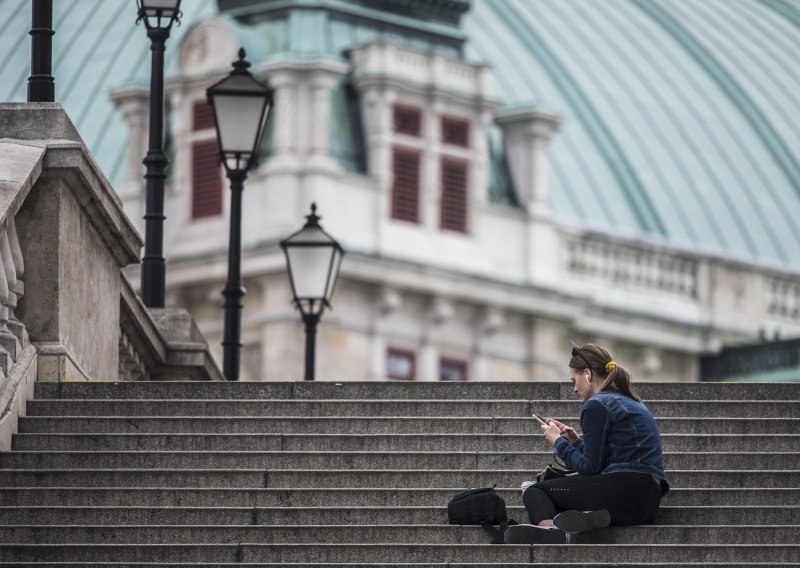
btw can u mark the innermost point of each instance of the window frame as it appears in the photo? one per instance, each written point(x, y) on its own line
point(397, 352)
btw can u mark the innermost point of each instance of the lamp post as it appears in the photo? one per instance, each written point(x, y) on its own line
point(313, 258)
point(241, 105)
point(41, 85)
point(158, 17)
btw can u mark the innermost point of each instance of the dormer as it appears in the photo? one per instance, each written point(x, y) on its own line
point(426, 119)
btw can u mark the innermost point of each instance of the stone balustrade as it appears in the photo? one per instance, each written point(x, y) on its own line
point(632, 266)
point(379, 59)
point(13, 335)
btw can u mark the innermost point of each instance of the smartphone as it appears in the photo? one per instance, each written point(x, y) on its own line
point(541, 419)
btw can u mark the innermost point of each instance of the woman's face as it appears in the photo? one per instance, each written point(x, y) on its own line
point(581, 384)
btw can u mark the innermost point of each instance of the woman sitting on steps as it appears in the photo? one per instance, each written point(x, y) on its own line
point(618, 458)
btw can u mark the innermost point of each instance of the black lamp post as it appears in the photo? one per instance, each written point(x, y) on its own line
point(313, 258)
point(241, 105)
point(158, 17)
point(41, 85)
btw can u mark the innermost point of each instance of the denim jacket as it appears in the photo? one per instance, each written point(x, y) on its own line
point(619, 435)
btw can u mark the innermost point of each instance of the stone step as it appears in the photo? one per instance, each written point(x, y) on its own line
point(744, 553)
point(326, 554)
point(371, 533)
point(301, 460)
point(555, 390)
point(324, 497)
point(375, 425)
point(448, 408)
point(349, 478)
point(412, 565)
point(375, 442)
point(766, 516)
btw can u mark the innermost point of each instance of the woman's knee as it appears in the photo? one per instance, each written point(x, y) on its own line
point(538, 504)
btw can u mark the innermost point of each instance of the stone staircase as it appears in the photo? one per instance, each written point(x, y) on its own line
point(359, 474)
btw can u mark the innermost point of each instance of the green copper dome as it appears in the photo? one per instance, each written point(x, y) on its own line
point(681, 117)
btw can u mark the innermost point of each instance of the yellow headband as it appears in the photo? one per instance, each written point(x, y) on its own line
point(610, 366)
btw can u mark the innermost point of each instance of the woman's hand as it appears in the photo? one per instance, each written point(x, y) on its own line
point(551, 432)
point(568, 432)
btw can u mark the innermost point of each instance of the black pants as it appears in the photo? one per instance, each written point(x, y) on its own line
point(630, 498)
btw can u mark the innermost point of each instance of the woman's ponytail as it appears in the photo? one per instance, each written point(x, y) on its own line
point(621, 379)
point(603, 366)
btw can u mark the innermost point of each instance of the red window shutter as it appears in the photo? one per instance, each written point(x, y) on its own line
point(454, 195)
point(202, 116)
point(407, 120)
point(405, 190)
point(206, 180)
point(455, 131)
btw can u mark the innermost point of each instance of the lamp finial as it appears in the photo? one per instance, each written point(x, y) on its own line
point(241, 65)
point(313, 219)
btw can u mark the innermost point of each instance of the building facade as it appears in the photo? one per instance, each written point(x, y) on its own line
point(507, 178)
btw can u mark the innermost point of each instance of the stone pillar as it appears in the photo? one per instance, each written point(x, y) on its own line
point(133, 103)
point(285, 145)
point(377, 103)
point(323, 79)
point(430, 164)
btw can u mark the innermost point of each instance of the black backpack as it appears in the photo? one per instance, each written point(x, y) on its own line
point(480, 507)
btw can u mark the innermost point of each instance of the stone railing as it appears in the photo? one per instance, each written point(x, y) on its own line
point(17, 356)
point(18, 361)
point(77, 317)
point(425, 68)
point(632, 266)
point(13, 335)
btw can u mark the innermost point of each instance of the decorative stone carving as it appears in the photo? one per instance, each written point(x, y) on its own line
point(442, 311)
point(212, 44)
point(390, 301)
point(493, 321)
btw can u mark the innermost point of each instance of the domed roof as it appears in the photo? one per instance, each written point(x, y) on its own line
point(681, 117)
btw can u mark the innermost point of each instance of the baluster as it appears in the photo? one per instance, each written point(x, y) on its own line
point(18, 287)
point(9, 346)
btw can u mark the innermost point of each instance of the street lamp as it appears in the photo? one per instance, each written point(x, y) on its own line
point(313, 258)
point(158, 17)
point(241, 105)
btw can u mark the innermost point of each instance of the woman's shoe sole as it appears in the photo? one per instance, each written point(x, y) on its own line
point(532, 534)
point(582, 521)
